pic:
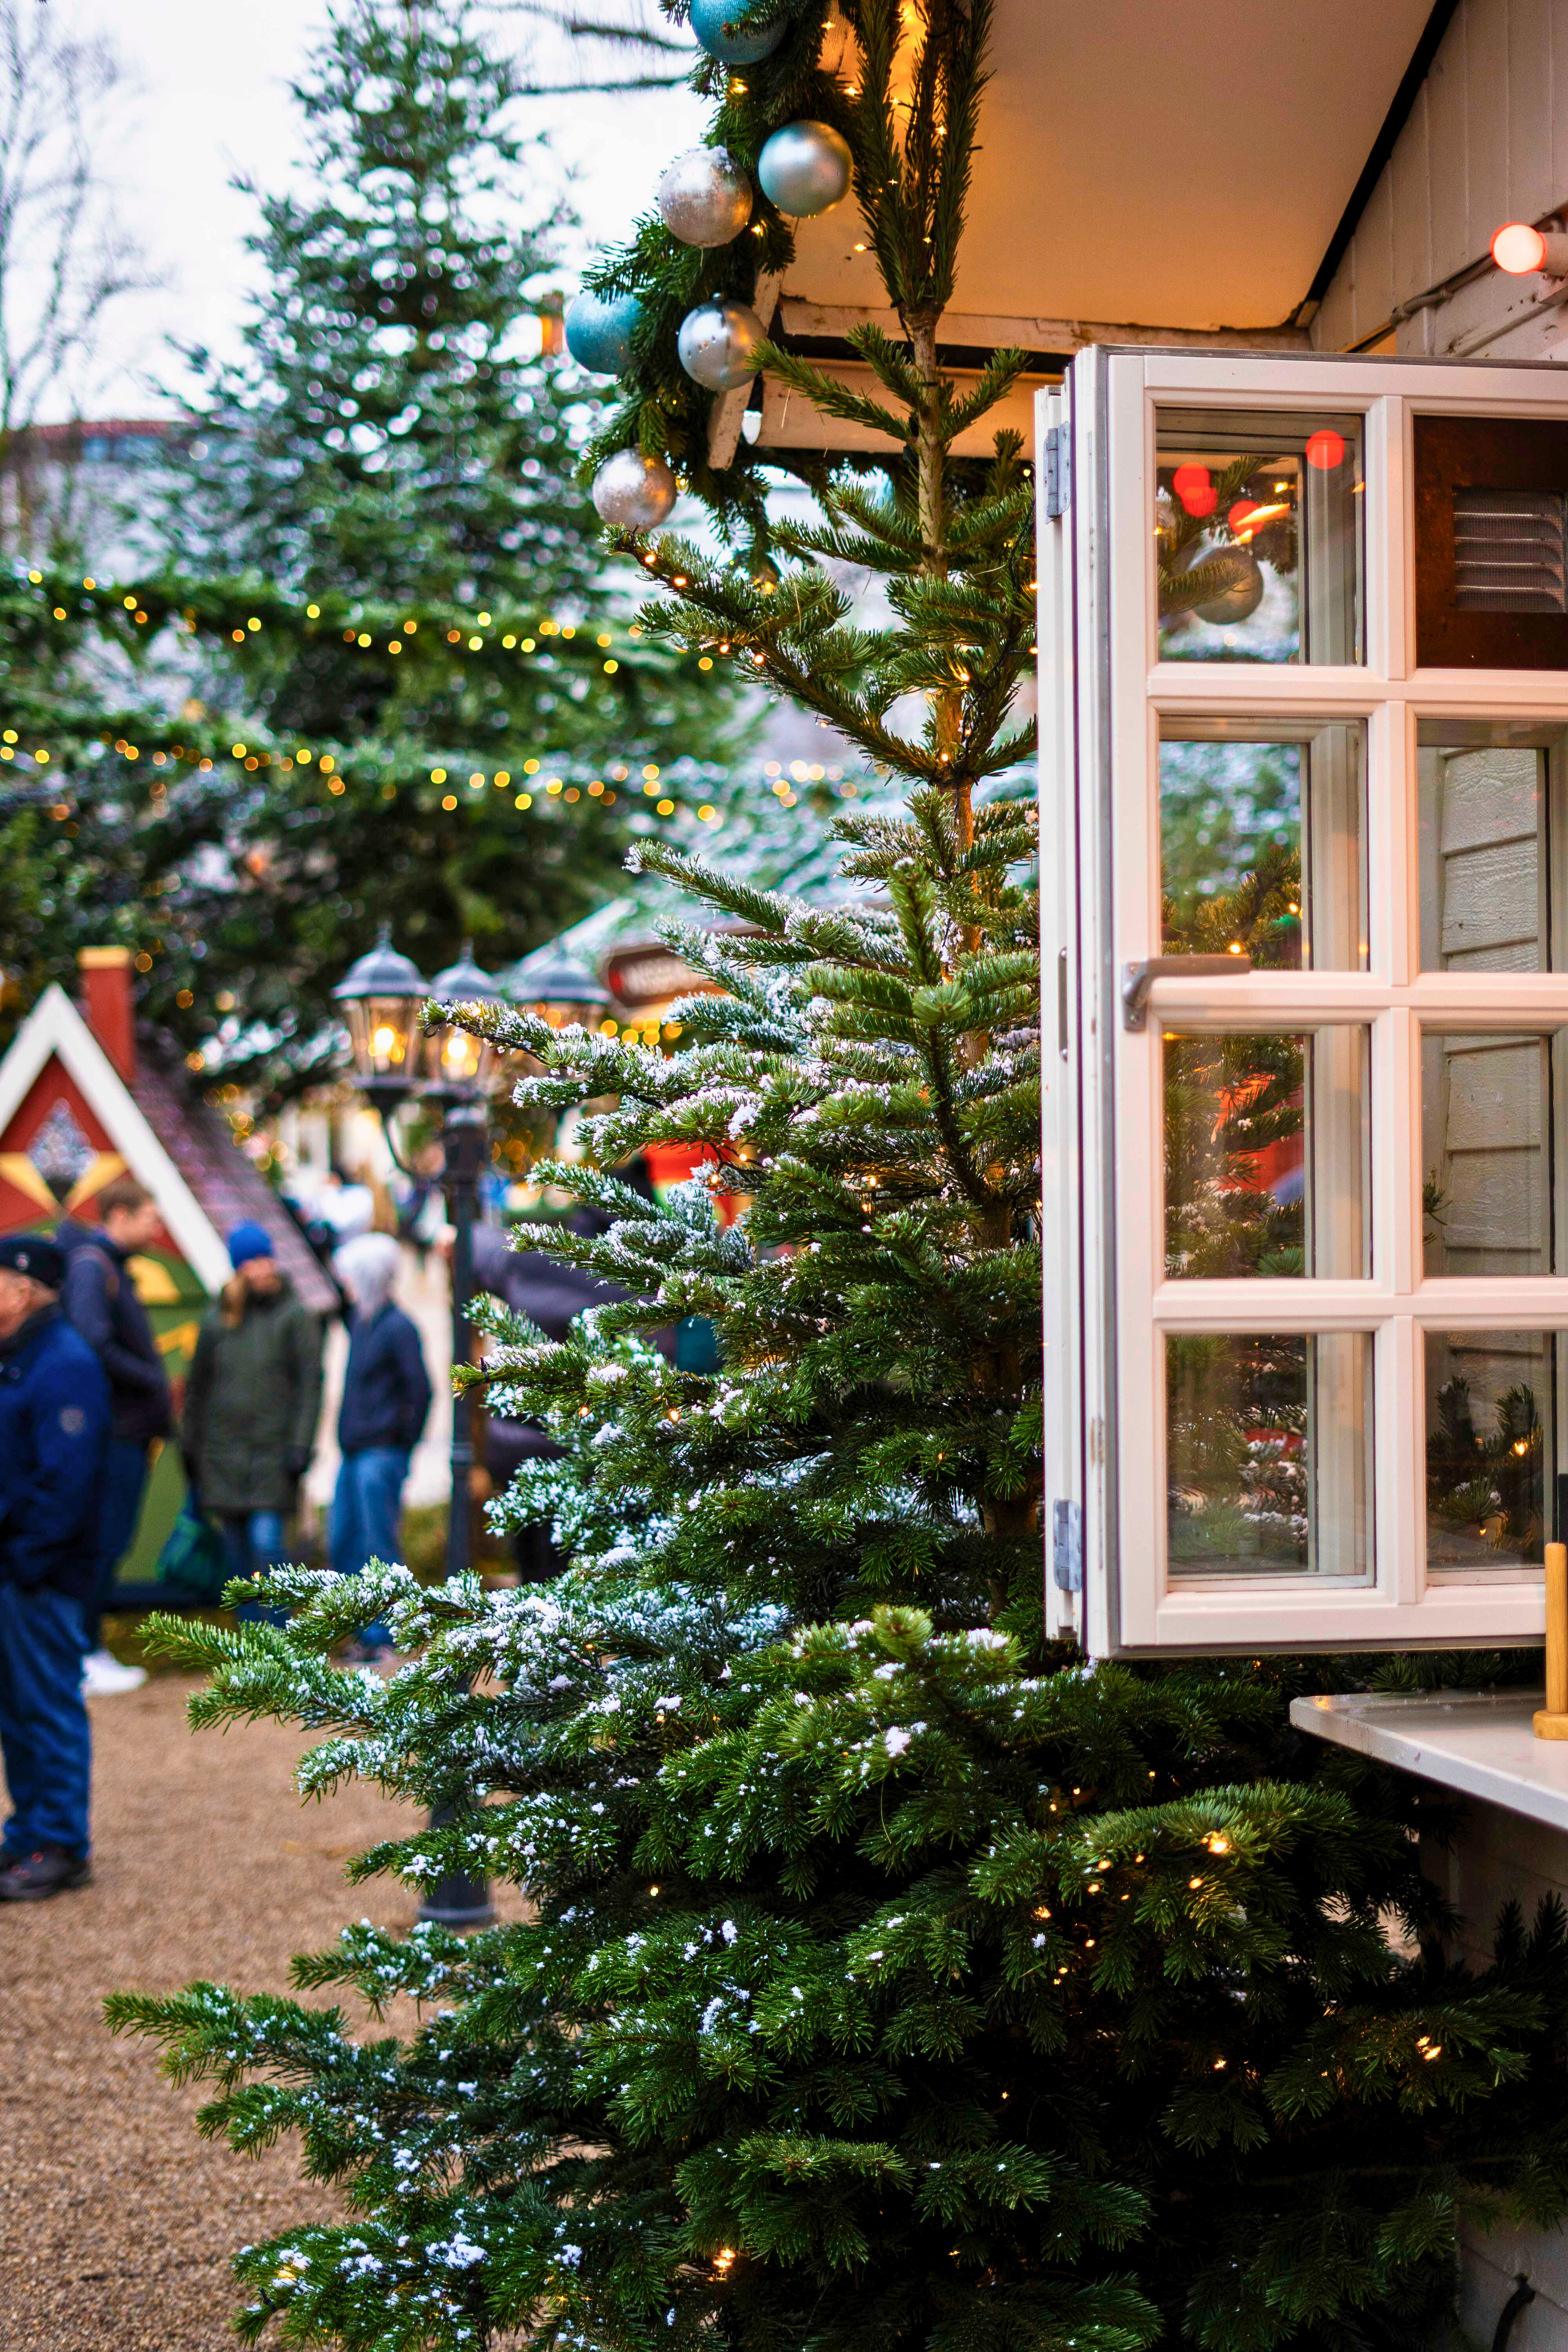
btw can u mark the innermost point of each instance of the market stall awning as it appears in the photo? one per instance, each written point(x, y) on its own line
point(1183, 168)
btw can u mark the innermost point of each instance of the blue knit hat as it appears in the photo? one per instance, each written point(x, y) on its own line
point(248, 1241)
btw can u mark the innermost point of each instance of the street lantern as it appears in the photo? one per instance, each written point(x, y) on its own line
point(559, 987)
point(382, 994)
point(455, 1058)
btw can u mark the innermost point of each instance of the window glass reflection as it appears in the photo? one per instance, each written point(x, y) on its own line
point(1261, 842)
point(1493, 1444)
point(1257, 537)
point(1489, 1118)
point(1267, 1139)
point(1489, 836)
point(1269, 1441)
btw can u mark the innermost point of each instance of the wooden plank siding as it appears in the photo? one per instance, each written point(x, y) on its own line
point(1486, 141)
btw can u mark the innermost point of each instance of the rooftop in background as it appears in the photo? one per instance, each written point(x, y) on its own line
point(95, 441)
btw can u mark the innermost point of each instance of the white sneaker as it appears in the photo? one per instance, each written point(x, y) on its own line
point(103, 1676)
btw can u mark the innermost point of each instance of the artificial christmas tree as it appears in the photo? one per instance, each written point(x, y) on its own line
point(893, 1978)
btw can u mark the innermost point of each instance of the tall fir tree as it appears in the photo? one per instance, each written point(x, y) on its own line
point(890, 1978)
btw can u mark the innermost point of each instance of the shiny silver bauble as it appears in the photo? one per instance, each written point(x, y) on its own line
point(804, 168)
point(632, 492)
point(704, 197)
point(717, 342)
point(1241, 598)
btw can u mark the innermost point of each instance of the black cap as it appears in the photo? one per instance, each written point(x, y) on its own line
point(34, 1253)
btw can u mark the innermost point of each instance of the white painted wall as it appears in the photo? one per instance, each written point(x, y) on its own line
point(1496, 1856)
point(1486, 141)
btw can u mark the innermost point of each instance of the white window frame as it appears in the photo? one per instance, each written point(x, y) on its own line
point(1103, 692)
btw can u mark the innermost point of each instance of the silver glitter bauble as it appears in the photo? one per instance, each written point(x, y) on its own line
point(804, 168)
point(1241, 598)
point(632, 492)
point(717, 344)
point(704, 197)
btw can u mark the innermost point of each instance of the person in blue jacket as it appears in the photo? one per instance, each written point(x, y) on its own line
point(54, 1439)
point(385, 1404)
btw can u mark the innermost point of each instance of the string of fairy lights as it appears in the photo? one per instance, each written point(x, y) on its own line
point(447, 634)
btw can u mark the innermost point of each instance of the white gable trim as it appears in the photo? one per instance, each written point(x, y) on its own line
point(55, 1026)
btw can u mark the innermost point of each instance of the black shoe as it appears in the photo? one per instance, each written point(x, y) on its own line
point(34, 1877)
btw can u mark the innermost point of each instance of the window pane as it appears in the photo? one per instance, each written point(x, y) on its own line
point(1488, 1120)
point(1257, 537)
point(1494, 1402)
point(1488, 792)
point(1268, 1446)
point(1266, 1138)
point(1262, 834)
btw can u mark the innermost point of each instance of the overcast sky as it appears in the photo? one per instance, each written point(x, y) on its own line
point(213, 102)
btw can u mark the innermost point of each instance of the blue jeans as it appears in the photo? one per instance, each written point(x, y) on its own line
point(366, 1504)
point(119, 1508)
point(44, 1733)
point(254, 1539)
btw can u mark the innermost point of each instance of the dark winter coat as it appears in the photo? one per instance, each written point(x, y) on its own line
point(54, 1432)
point(386, 1389)
point(99, 1298)
point(252, 1400)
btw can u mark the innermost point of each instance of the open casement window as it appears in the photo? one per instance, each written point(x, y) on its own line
point(1304, 695)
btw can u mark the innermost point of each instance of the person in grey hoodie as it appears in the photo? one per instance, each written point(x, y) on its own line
point(385, 1404)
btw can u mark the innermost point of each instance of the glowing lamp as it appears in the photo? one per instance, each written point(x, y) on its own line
point(381, 996)
point(558, 987)
point(1241, 517)
point(1526, 252)
point(456, 1060)
point(1325, 449)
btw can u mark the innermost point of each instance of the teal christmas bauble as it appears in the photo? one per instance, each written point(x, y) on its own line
point(599, 331)
point(715, 24)
point(804, 168)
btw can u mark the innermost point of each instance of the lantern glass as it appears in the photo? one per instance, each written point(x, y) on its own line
point(381, 996)
point(558, 987)
point(455, 1059)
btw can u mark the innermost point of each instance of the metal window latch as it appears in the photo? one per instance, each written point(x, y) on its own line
point(1067, 1547)
point(1058, 471)
point(1138, 979)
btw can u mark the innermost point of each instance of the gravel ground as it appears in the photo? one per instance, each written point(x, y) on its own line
point(116, 2222)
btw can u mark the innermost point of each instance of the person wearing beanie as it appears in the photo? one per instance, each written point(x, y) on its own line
point(252, 1401)
point(100, 1299)
point(385, 1404)
point(54, 1434)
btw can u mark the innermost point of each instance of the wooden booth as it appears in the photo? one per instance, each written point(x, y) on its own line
point(86, 1095)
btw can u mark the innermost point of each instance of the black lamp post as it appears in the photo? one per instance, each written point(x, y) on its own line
point(382, 997)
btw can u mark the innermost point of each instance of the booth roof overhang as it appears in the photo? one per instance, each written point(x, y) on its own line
point(1185, 167)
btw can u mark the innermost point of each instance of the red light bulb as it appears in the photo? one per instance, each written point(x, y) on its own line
point(1240, 515)
point(1325, 449)
point(1519, 249)
point(1194, 489)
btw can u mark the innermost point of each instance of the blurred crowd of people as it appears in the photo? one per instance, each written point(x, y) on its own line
point(85, 1402)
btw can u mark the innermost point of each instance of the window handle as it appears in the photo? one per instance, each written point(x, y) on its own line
point(1137, 979)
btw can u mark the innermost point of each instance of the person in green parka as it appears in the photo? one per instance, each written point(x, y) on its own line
point(253, 1398)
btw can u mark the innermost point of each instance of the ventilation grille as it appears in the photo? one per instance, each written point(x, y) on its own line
point(1509, 553)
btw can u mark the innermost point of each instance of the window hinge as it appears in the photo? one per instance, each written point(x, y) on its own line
point(1137, 979)
point(1058, 471)
point(1067, 1547)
